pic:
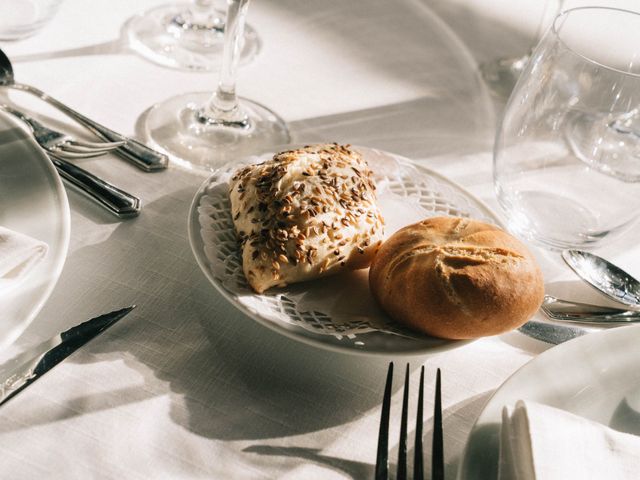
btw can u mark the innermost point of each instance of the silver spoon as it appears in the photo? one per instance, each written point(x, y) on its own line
point(132, 150)
point(607, 278)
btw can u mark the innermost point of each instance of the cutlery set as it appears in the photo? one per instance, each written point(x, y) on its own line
point(23, 370)
point(138, 153)
point(61, 147)
point(608, 279)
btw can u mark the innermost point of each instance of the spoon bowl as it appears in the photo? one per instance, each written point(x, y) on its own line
point(606, 277)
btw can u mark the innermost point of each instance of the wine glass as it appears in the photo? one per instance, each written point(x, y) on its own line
point(186, 35)
point(502, 74)
point(203, 131)
point(583, 76)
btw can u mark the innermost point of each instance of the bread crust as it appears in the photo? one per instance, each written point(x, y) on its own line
point(456, 278)
point(305, 213)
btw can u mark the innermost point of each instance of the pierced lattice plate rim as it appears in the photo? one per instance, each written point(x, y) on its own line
point(336, 312)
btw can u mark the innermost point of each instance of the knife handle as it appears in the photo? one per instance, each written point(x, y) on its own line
point(137, 153)
point(116, 201)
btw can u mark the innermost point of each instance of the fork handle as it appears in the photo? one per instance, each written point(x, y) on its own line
point(134, 151)
point(118, 202)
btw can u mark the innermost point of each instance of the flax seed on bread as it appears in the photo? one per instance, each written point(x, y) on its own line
point(305, 213)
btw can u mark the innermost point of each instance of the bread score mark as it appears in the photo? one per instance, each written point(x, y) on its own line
point(451, 258)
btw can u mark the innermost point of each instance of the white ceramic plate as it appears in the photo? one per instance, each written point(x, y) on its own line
point(335, 312)
point(33, 202)
point(595, 376)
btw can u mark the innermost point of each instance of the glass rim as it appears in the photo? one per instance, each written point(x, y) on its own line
point(556, 32)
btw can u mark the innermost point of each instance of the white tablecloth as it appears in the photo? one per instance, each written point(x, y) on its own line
point(186, 386)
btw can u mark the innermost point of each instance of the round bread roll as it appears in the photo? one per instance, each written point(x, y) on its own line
point(456, 278)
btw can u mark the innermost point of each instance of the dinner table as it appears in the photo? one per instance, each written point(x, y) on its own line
point(188, 386)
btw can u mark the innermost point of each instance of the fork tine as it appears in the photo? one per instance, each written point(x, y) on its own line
point(98, 145)
point(418, 459)
point(72, 148)
point(402, 448)
point(437, 457)
point(84, 147)
point(74, 155)
point(382, 459)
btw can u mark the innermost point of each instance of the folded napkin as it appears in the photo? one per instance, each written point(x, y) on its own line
point(544, 443)
point(19, 253)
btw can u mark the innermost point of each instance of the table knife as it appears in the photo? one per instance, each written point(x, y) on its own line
point(550, 333)
point(21, 371)
point(115, 200)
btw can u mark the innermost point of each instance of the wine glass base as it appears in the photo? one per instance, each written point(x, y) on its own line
point(173, 126)
point(609, 146)
point(572, 225)
point(164, 36)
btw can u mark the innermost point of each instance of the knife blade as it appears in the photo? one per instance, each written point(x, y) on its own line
point(549, 333)
point(21, 371)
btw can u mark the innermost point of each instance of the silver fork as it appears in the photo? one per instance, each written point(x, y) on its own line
point(60, 144)
point(118, 202)
point(567, 311)
point(437, 454)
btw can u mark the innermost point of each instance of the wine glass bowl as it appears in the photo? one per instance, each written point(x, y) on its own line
point(566, 157)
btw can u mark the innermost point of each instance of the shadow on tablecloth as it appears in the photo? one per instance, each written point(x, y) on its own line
point(227, 377)
point(470, 408)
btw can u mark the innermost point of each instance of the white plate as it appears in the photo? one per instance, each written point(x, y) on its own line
point(336, 312)
point(595, 376)
point(33, 202)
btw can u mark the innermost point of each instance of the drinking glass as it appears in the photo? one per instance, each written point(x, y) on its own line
point(186, 35)
point(203, 131)
point(502, 74)
point(567, 154)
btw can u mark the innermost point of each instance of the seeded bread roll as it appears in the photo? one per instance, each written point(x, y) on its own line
point(305, 213)
point(456, 278)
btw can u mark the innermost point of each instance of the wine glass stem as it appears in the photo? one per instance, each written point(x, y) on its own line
point(203, 15)
point(201, 9)
point(223, 106)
